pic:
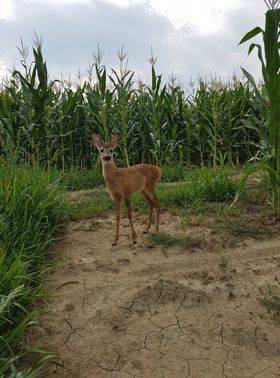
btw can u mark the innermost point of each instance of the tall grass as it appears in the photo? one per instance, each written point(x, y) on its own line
point(269, 130)
point(49, 122)
point(30, 214)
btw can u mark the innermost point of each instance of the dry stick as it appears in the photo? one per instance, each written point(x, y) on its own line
point(66, 283)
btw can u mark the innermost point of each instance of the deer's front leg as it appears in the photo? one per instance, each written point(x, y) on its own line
point(118, 217)
point(129, 215)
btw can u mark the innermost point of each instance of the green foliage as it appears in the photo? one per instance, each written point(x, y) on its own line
point(245, 230)
point(31, 213)
point(167, 240)
point(269, 131)
point(200, 186)
point(175, 173)
point(89, 205)
point(82, 179)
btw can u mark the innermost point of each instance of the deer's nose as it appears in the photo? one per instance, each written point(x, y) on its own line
point(107, 158)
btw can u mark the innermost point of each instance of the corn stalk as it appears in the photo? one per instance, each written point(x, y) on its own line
point(270, 132)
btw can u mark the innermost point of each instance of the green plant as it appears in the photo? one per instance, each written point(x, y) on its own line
point(83, 179)
point(243, 229)
point(269, 156)
point(31, 213)
point(89, 204)
point(223, 262)
point(167, 240)
point(200, 186)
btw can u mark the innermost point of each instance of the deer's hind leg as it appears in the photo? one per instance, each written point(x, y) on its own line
point(150, 203)
point(156, 204)
point(129, 215)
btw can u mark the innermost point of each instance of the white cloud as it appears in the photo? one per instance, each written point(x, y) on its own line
point(3, 70)
point(204, 15)
point(7, 9)
point(71, 29)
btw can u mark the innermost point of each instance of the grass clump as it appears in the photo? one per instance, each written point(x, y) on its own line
point(89, 204)
point(30, 215)
point(244, 230)
point(166, 240)
point(223, 261)
point(203, 185)
point(174, 173)
point(84, 179)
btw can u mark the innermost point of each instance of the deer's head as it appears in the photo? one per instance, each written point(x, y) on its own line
point(106, 149)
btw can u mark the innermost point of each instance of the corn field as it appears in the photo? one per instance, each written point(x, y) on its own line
point(49, 122)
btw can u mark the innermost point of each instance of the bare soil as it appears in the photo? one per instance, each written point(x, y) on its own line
point(151, 311)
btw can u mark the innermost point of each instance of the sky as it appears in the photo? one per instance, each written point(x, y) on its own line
point(188, 37)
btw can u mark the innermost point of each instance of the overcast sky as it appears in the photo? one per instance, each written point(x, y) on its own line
point(188, 37)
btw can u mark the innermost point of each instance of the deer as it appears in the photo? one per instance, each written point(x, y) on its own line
point(122, 182)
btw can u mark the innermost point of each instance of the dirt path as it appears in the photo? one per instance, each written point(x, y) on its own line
point(145, 311)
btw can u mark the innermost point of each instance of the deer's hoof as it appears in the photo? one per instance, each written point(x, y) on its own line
point(145, 232)
point(114, 244)
point(134, 241)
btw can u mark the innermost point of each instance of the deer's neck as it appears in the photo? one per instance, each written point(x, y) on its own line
point(108, 169)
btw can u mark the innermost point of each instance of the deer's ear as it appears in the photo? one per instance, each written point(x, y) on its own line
point(114, 142)
point(96, 140)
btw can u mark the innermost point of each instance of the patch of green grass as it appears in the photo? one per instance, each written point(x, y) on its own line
point(175, 173)
point(79, 179)
point(202, 186)
point(216, 185)
point(138, 203)
point(167, 240)
point(192, 220)
point(90, 204)
point(244, 228)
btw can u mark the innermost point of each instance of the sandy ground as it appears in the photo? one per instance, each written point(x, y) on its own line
point(148, 311)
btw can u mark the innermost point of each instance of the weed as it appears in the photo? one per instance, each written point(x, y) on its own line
point(244, 229)
point(167, 241)
point(31, 212)
point(223, 263)
point(272, 301)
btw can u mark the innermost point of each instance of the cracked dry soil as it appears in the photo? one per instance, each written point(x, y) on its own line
point(141, 311)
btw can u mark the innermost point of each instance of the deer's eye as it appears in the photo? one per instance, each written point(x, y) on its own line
point(111, 150)
point(102, 150)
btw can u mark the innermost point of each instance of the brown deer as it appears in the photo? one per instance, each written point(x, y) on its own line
point(122, 182)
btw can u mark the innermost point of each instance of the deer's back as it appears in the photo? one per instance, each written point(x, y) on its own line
point(133, 179)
